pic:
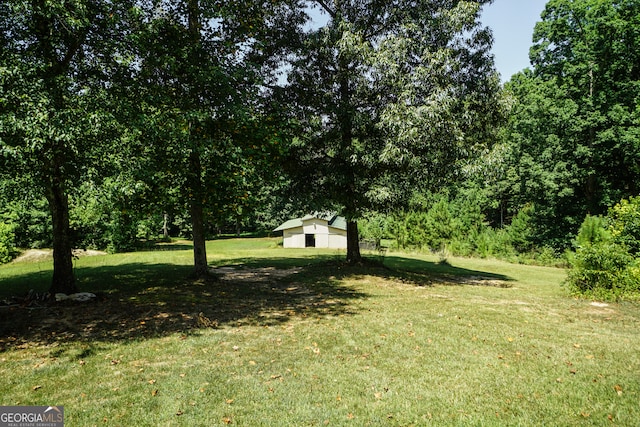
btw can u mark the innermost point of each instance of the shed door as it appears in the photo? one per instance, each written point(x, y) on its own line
point(309, 240)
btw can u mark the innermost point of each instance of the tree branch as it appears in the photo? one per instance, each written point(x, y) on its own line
point(326, 7)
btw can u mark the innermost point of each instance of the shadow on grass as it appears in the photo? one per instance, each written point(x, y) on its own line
point(407, 270)
point(426, 272)
point(138, 301)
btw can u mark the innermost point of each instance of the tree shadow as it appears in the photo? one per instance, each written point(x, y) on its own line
point(423, 272)
point(139, 301)
point(406, 270)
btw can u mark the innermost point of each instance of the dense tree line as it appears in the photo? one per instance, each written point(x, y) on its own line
point(127, 121)
point(116, 111)
point(570, 149)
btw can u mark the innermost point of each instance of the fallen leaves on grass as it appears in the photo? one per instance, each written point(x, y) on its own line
point(314, 348)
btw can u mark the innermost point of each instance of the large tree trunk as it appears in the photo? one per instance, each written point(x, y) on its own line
point(63, 279)
point(353, 243)
point(201, 268)
point(346, 137)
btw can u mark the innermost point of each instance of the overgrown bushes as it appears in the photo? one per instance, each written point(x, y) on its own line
point(606, 263)
point(7, 242)
point(458, 227)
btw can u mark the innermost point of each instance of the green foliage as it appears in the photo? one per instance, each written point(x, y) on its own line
point(593, 230)
point(7, 249)
point(61, 63)
point(521, 231)
point(457, 226)
point(32, 224)
point(604, 271)
point(123, 232)
point(389, 96)
point(375, 227)
point(606, 264)
point(89, 213)
point(625, 224)
point(440, 226)
point(573, 138)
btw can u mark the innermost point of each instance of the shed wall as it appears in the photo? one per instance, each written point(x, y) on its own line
point(325, 236)
point(337, 240)
point(293, 238)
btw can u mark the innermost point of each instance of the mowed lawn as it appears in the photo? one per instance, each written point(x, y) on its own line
point(296, 338)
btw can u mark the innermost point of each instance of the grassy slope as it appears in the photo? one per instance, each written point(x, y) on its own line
point(329, 345)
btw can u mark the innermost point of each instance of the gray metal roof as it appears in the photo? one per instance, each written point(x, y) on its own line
point(292, 223)
point(333, 220)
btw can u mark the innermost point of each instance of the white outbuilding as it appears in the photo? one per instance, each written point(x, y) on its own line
point(315, 231)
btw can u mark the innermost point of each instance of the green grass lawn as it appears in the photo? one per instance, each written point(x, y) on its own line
point(296, 338)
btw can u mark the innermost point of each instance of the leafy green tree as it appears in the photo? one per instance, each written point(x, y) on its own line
point(541, 139)
point(625, 224)
point(574, 135)
point(58, 58)
point(388, 95)
point(204, 67)
point(7, 245)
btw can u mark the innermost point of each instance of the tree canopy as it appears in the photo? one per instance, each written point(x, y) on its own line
point(114, 115)
point(574, 131)
point(388, 96)
point(58, 58)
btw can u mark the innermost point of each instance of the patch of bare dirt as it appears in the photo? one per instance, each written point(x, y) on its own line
point(36, 255)
point(255, 275)
point(478, 281)
point(237, 296)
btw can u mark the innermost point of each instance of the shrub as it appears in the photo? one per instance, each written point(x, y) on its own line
point(521, 230)
point(123, 230)
point(374, 227)
point(30, 221)
point(604, 264)
point(440, 226)
point(603, 271)
point(7, 242)
point(625, 224)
